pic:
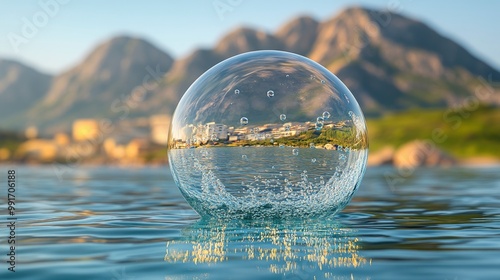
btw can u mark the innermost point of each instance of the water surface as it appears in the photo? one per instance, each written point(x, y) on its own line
point(267, 182)
point(124, 223)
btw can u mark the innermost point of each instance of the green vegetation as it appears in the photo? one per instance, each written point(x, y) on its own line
point(10, 140)
point(466, 131)
point(157, 154)
point(338, 136)
point(344, 137)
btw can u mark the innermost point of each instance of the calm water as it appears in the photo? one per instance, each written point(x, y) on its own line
point(114, 223)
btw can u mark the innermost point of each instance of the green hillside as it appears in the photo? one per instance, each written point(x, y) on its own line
point(461, 132)
point(10, 140)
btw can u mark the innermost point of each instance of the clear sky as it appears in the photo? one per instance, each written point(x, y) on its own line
point(53, 35)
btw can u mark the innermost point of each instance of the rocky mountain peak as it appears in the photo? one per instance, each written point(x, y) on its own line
point(121, 54)
point(110, 72)
point(245, 39)
point(299, 34)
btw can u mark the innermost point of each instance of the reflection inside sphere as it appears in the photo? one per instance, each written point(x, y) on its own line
point(268, 134)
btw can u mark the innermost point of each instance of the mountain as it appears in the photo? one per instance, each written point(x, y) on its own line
point(178, 79)
point(299, 35)
point(21, 87)
point(102, 84)
point(244, 40)
point(393, 62)
point(390, 62)
point(186, 70)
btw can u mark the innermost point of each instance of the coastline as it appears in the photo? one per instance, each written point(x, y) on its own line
point(474, 162)
point(480, 162)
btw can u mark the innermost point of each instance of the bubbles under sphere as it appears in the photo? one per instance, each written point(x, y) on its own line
point(268, 134)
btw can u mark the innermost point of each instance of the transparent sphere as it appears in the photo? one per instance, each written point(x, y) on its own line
point(268, 134)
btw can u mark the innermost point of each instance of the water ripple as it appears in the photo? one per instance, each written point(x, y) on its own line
point(115, 223)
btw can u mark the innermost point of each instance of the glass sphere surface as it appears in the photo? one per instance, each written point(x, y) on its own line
point(268, 134)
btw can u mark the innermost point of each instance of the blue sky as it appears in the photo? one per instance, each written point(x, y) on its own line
point(64, 31)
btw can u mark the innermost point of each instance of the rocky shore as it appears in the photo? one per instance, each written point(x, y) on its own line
point(420, 153)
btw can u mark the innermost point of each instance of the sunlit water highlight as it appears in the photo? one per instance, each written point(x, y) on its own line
point(114, 223)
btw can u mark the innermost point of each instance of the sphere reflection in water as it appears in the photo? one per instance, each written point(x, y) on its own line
point(300, 249)
point(249, 155)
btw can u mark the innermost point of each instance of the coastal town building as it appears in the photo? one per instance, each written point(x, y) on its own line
point(215, 131)
point(85, 129)
point(159, 125)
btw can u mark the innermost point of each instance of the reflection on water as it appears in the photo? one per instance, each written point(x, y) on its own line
point(285, 248)
point(114, 223)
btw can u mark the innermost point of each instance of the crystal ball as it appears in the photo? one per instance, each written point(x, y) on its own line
point(268, 134)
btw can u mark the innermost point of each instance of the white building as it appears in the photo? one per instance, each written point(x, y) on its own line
point(216, 131)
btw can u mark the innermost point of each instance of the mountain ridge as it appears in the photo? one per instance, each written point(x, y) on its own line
point(15, 92)
point(389, 61)
point(108, 73)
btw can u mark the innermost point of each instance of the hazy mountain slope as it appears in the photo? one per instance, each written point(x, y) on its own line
point(100, 85)
point(389, 61)
point(299, 35)
point(393, 62)
point(21, 87)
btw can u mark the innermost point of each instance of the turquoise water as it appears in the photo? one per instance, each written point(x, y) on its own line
point(123, 223)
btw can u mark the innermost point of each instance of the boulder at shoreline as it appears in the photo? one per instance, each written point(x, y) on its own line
point(421, 153)
point(417, 153)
